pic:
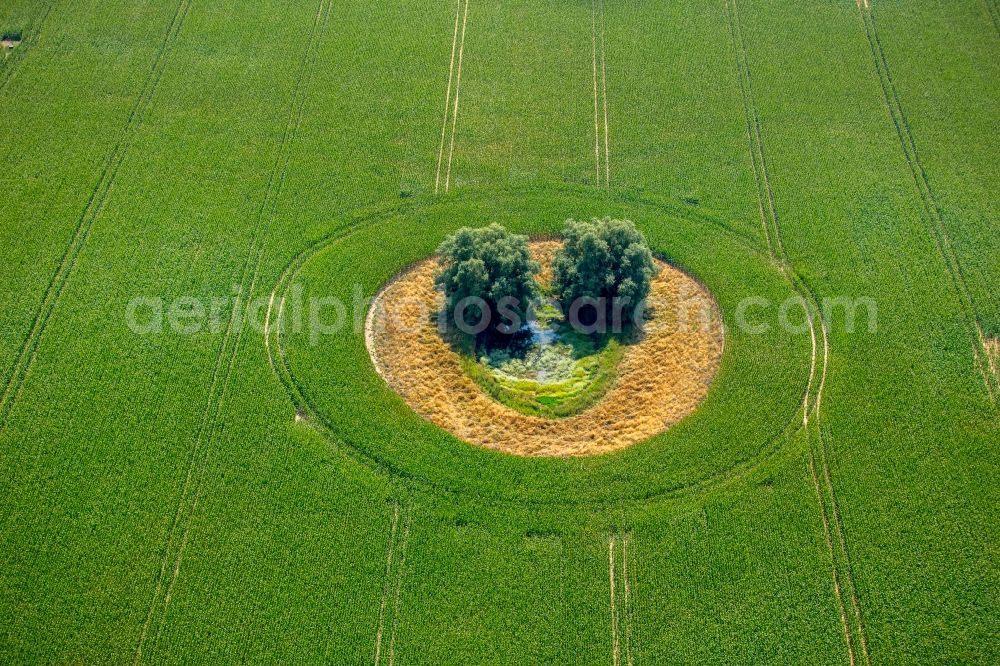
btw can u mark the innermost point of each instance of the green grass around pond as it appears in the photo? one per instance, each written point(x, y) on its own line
point(548, 369)
point(557, 379)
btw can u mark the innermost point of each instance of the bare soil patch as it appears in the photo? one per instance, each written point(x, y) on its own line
point(991, 349)
point(661, 378)
point(993, 355)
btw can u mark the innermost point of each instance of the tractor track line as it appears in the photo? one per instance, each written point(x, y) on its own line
point(458, 85)
point(392, 584)
point(629, 611)
point(597, 112)
point(7, 73)
point(826, 366)
point(192, 456)
point(447, 97)
point(563, 612)
point(987, 358)
point(604, 95)
point(268, 211)
point(765, 195)
point(928, 198)
point(812, 372)
point(390, 548)
point(769, 215)
point(859, 635)
point(838, 528)
point(772, 227)
point(833, 569)
point(744, 93)
point(91, 211)
point(758, 155)
point(615, 640)
point(399, 575)
point(600, 76)
point(209, 423)
point(620, 587)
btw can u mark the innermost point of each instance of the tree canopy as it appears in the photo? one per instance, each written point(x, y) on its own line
point(606, 262)
point(486, 272)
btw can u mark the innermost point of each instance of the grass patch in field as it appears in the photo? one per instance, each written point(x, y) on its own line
point(552, 371)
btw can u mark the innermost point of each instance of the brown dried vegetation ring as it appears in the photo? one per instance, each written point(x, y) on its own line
point(661, 379)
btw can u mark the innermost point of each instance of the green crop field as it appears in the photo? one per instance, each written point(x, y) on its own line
point(187, 475)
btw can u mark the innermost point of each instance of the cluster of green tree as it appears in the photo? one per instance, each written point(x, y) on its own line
point(487, 276)
point(601, 276)
point(603, 270)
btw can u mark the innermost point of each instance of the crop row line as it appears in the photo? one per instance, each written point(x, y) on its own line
point(838, 593)
point(390, 550)
point(11, 62)
point(447, 97)
point(91, 211)
point(767, 210)
point(600, 76)
point(928, 198)
point(765, 195)
point(451, 104)
point(392, 584)
point(622, 606)
point(835, 519)
point(854, 631)
point(209, 425)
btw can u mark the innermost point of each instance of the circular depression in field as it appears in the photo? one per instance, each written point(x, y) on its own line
point(660, 378)
point(745, 416)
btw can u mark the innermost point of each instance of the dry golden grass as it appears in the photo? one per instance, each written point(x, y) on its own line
point(544, 252)
point(661, 379)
